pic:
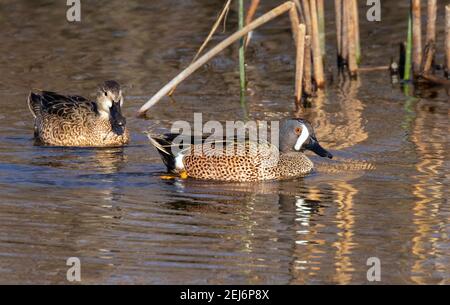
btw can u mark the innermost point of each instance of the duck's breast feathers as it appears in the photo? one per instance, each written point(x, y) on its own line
point(47, 102)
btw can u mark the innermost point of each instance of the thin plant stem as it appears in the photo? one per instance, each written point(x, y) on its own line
point(447, 41)
point(407, 73)
point(241, 55)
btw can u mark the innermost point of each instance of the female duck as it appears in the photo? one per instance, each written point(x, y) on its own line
point(242, 161)
point(71, 120)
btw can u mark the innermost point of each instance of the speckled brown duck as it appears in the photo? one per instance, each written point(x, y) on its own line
point(253, 162)
point(72, 120)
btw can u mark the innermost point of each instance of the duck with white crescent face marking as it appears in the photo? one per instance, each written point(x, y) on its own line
point(268, 162)
point(301, 133)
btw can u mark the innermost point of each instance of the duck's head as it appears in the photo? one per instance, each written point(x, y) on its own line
point(110, 101)
point(298, 135)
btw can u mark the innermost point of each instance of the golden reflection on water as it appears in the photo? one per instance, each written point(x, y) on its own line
point(342, 136)
point(345, 218)
point(330, 128)
point(430, 144)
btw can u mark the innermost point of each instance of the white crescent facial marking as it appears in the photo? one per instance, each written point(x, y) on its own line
point(302, 138)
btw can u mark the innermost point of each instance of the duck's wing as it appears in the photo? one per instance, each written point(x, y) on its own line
point(164, 142)
point(47, 102)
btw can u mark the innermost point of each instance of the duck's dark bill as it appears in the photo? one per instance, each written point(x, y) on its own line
point(315, 147)
point(117, 119)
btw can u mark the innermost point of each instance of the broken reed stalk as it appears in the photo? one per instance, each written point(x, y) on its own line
point(436, 80)
point(356, 25)
point(250, 14)
point(447, 41)
point(417, 37)
point(321, 20)
point(338, 12)
point(317, 54)
point(408, 53)
point(427, 63)
point(307, 85)
point(222, 15)
point(301, 31)
point(352, 61)
point(242, 83)
point(213, 52)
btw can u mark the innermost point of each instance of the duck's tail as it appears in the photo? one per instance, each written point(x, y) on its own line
point(164, 143)
point(34, 103)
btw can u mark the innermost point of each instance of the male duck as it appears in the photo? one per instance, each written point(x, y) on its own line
point(255, 161)
point(71, 120)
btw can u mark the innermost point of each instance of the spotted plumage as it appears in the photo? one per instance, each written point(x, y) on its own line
point(72, 120)
point(243, 161)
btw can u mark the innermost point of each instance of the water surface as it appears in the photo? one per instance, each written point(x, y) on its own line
point(383, 195)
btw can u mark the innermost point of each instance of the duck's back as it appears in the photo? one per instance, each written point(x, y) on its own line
point(60, 106)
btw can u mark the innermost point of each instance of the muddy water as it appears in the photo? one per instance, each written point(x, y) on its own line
point(384, 195)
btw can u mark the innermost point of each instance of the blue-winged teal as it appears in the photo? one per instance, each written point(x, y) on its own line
point(256, 161)
point(71, 120)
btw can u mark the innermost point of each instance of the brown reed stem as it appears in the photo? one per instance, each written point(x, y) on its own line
point(338, 13)
point(307, 15)
point(300, 11)
point(317, 54)
point(447, 41)
point(213, 52)
point(356, 25)
point(250, 14)
point(251, 11)
point(293, 16)
point(344, 36)
point(307, 85)
point(431, 20)
point(433, 79)
point(299, 63)
point(417, 37)
point(430, 46)
point(352, 61)
point(430, 50)
point(321, 20)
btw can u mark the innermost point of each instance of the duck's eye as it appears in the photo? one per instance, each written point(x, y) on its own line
point(298, 131)
point(106, 93)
